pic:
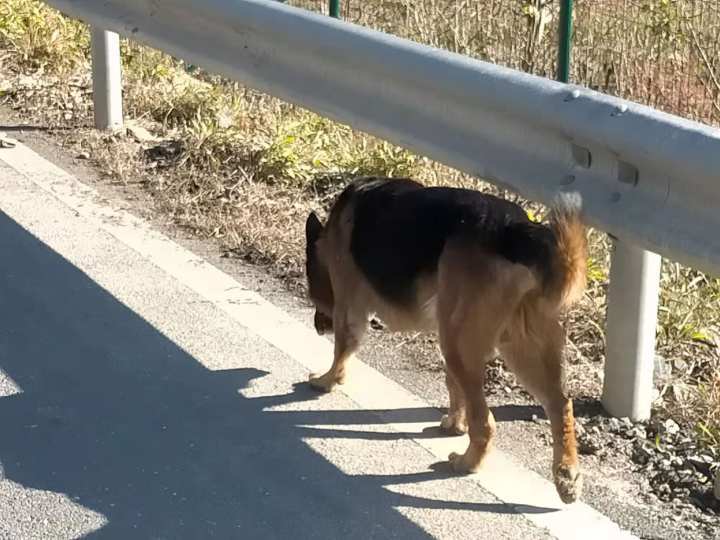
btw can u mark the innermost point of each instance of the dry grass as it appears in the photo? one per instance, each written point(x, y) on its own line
point(665, 53)
point(234, 164)
point(39, 38)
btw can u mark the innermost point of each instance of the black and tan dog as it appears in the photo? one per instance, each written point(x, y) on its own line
point(470, 266)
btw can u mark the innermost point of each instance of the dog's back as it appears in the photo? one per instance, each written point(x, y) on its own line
point(397, 230)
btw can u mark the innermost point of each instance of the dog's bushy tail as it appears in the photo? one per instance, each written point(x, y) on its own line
point(570, 265)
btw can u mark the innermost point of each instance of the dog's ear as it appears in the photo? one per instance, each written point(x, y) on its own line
point(313, 228)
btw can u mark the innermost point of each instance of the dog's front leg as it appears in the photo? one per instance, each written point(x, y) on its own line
point(349, 331)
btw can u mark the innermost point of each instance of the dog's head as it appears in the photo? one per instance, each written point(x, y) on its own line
point(319, 285)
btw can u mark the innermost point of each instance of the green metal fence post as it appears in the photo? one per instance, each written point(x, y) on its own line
point(335, 8)
point(566, 8)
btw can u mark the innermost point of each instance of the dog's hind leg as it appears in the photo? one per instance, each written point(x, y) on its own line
point(535, 356)
point(480, 421)
point(467, 338)
point(474, 294)
point(455, 421)
point(349, 331)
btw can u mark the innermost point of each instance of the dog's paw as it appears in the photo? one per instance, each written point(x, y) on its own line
point(568, 482)
point(453, 424)
point(463, 464)
point(324, 383)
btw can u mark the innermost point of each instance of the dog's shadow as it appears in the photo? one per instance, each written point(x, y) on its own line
point(127, 424)
point(511, 413)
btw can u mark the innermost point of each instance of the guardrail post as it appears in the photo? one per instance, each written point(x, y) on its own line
point(632, 299)
point(107, 82)
point(631, 319)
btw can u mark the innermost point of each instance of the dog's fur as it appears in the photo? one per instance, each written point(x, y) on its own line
point(470, 266)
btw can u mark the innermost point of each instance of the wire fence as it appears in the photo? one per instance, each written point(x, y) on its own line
point(663, 53)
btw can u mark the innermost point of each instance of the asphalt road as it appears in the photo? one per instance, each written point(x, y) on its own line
point(146, 394)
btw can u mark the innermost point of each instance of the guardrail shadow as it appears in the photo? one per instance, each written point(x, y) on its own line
point(126, 423)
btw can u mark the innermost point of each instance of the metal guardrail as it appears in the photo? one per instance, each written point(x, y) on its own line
point(648, 178)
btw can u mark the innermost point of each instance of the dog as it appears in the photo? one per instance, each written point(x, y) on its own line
point(472, 267)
